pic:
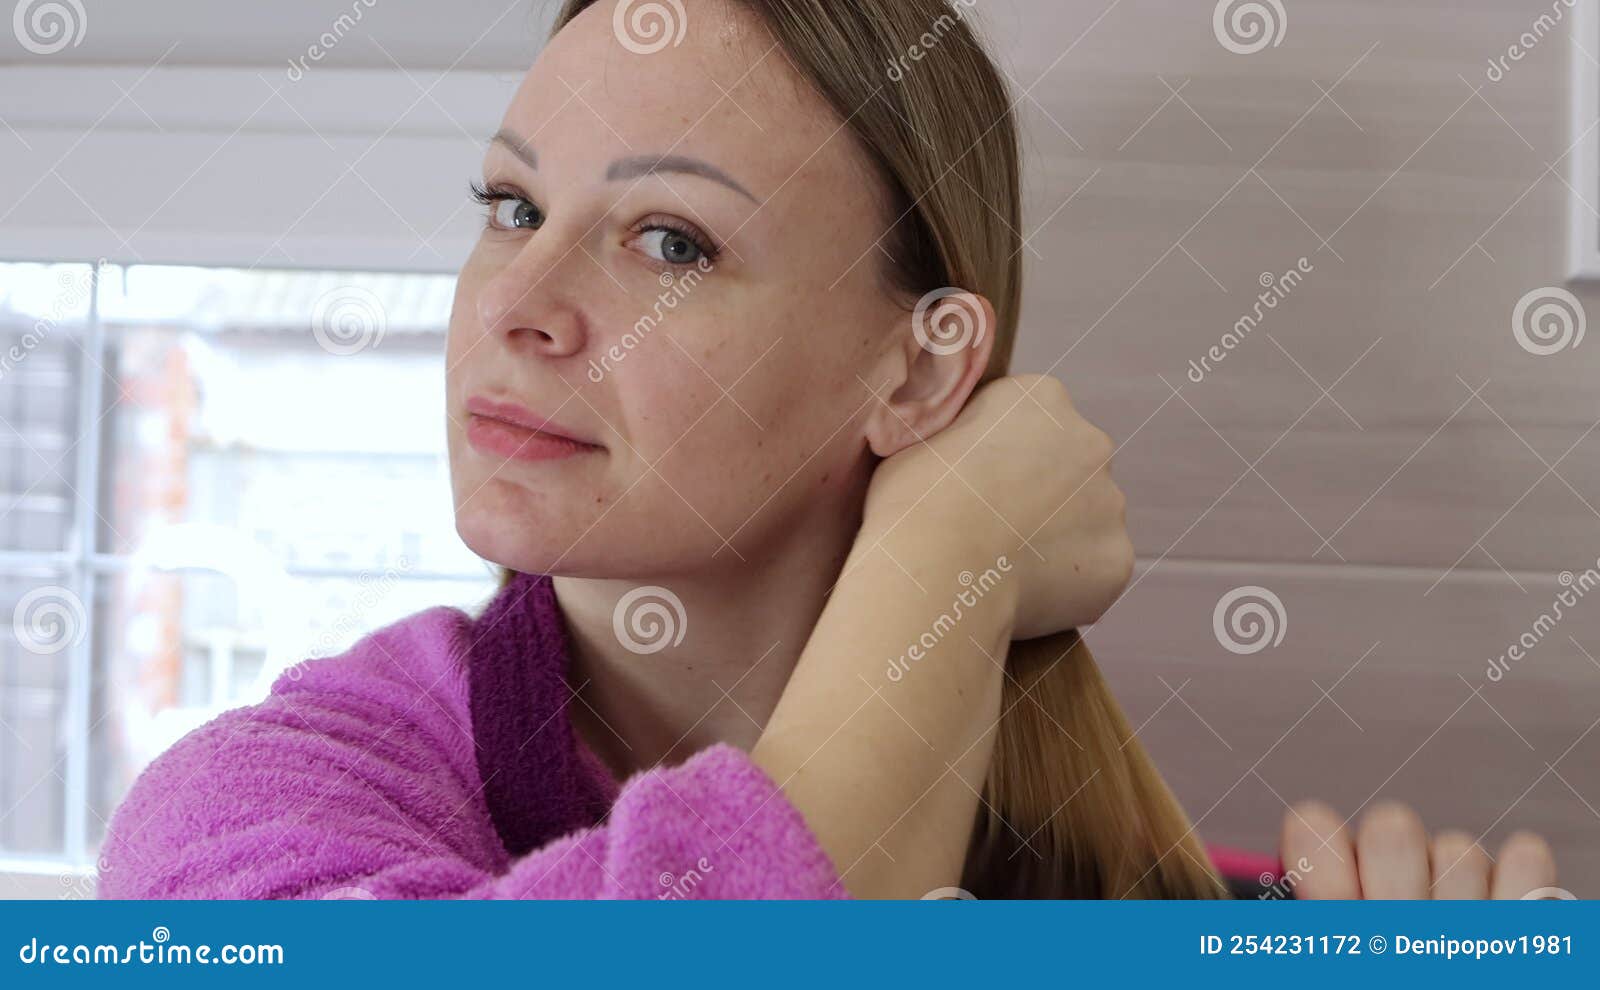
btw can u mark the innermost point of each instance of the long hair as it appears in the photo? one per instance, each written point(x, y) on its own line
point(1073, 806)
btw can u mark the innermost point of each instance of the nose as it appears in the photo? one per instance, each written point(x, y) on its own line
point(529, 303)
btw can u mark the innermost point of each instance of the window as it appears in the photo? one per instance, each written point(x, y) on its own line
point(208, 475)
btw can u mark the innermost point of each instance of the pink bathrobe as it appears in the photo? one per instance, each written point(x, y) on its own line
point(435, 759)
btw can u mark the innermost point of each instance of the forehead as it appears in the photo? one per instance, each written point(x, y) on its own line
point(726, 93)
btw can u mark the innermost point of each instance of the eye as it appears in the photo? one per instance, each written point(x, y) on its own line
point(508, 209)
point(514, 213)
point(676, 244)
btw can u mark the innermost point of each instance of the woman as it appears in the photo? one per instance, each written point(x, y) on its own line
point(708, 366)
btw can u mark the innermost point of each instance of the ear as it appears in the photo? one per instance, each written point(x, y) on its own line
point(942, 350)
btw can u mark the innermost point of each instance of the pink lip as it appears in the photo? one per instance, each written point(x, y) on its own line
point(514, 432)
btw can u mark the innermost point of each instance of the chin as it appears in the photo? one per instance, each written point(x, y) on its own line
point(525, 540)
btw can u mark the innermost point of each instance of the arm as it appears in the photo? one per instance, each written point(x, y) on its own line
point(887, 770)
point(888, 773)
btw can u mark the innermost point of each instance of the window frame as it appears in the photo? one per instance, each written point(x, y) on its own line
point(84, 569)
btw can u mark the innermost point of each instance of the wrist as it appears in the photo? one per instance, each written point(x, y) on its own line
point(942, 570)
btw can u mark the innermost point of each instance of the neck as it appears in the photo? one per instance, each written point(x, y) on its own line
point(648, 697)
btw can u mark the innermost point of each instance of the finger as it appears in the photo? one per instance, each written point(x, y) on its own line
point(1392, 854)
point(1460, 868)
point(1316, 845)
point(1525, 864)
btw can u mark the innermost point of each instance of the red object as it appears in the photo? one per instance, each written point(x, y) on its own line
point(1245, 868)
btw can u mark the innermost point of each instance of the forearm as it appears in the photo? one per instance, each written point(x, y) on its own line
point(887, 771)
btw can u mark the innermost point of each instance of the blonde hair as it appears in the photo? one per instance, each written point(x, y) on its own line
point(1072, 806)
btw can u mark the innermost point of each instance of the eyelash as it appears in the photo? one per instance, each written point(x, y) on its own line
point(488, 196)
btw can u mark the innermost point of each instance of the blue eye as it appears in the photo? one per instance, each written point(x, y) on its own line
point(515, 213)
point(672, 247)
point(671, 242)
point(674, 243)
point(507, 209)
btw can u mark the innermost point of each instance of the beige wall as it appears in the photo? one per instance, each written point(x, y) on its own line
point(1452, 474)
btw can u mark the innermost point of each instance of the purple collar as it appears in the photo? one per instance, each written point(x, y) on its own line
point(539, 782)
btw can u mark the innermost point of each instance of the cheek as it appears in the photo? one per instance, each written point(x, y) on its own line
point(465, 326)
point(732, 428)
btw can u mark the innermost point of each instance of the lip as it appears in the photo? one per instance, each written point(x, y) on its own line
point(512, 431)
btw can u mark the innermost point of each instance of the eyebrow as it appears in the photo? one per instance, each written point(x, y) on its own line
point(634, 165)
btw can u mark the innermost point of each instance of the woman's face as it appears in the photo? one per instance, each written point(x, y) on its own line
point(709, 324)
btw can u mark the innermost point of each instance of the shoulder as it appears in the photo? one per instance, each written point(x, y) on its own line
point(388, 716)
point(421, 658)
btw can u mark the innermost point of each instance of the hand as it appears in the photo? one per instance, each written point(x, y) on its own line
point(1027, 477)
point(1393, 857)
